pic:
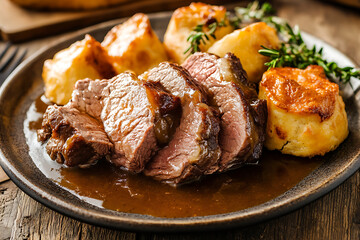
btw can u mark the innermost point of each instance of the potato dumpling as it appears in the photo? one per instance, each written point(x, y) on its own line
point(134, 46)
point(83, 59)
point(182, 23)
point(245, 44)
point(306, 114)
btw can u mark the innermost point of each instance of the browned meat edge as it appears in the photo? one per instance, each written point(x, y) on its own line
point(243, 116)
point(74, 138)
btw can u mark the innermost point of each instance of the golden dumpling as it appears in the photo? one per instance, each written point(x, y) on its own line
point(306, 114)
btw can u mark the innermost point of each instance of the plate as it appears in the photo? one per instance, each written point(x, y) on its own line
point(24, 85)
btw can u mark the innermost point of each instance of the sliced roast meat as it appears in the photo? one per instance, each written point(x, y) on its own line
point(243, 115)
point(88, 95)
point(194, 149)
point(167, 109)
point(176, 80)
point(129, 110)
point(74, 138)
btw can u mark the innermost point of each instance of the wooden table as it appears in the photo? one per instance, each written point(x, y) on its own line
point(333, 216)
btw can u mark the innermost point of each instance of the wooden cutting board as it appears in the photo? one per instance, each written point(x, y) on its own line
point(3, 176)
point(18, 24)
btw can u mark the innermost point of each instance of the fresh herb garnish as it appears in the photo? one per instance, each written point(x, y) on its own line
point(293, 51)
point(254, 12)
point(198, 35)
point(293, 55)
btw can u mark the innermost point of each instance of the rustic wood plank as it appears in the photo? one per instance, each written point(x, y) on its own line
point(93, 232)
point(3, 176)
point(8, 206)
point(19, 24)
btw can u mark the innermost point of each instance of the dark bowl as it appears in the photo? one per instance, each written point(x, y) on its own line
point(25, 84)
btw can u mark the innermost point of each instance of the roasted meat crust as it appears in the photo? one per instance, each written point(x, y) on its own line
point(74, 138)
point(243, 115)
point(194, 150)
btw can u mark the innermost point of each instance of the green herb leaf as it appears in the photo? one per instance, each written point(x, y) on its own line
point(198, 35)
point(293, 51)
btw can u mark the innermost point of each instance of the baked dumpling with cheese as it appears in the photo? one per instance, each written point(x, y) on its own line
point(133, 46)
point(245, 43)
point(184, 20)
point(83, 59)
point(306, 114)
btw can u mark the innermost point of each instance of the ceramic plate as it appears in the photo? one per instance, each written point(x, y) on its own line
point(25, 85)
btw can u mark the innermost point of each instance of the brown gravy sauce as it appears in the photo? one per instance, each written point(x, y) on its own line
point(107, 186)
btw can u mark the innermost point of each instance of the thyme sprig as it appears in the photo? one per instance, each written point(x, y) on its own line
point(198, 35)
point(254, 12)
point(293, 51)
point(290, 55)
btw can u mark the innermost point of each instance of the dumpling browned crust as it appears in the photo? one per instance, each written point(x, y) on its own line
point(306, 114)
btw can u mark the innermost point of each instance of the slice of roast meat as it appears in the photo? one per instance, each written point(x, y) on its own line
point(243, 115)
point(136, 116)
point(194, 149)
point(176, 80)
point(167, 109)
point(74, 138)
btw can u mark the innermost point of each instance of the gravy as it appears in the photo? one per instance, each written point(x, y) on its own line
point(110, 187)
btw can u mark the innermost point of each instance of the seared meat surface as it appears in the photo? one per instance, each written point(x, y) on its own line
point(161, 123)
point(243, 115)
point(194, 149)
point(74, 138)
point(167, 109)
point(129, 110)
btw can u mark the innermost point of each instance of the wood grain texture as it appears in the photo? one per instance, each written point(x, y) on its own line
point(333, 216)
point(3, 176)
point(18, 24)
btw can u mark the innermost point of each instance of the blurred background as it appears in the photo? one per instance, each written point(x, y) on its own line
point(22, 20)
